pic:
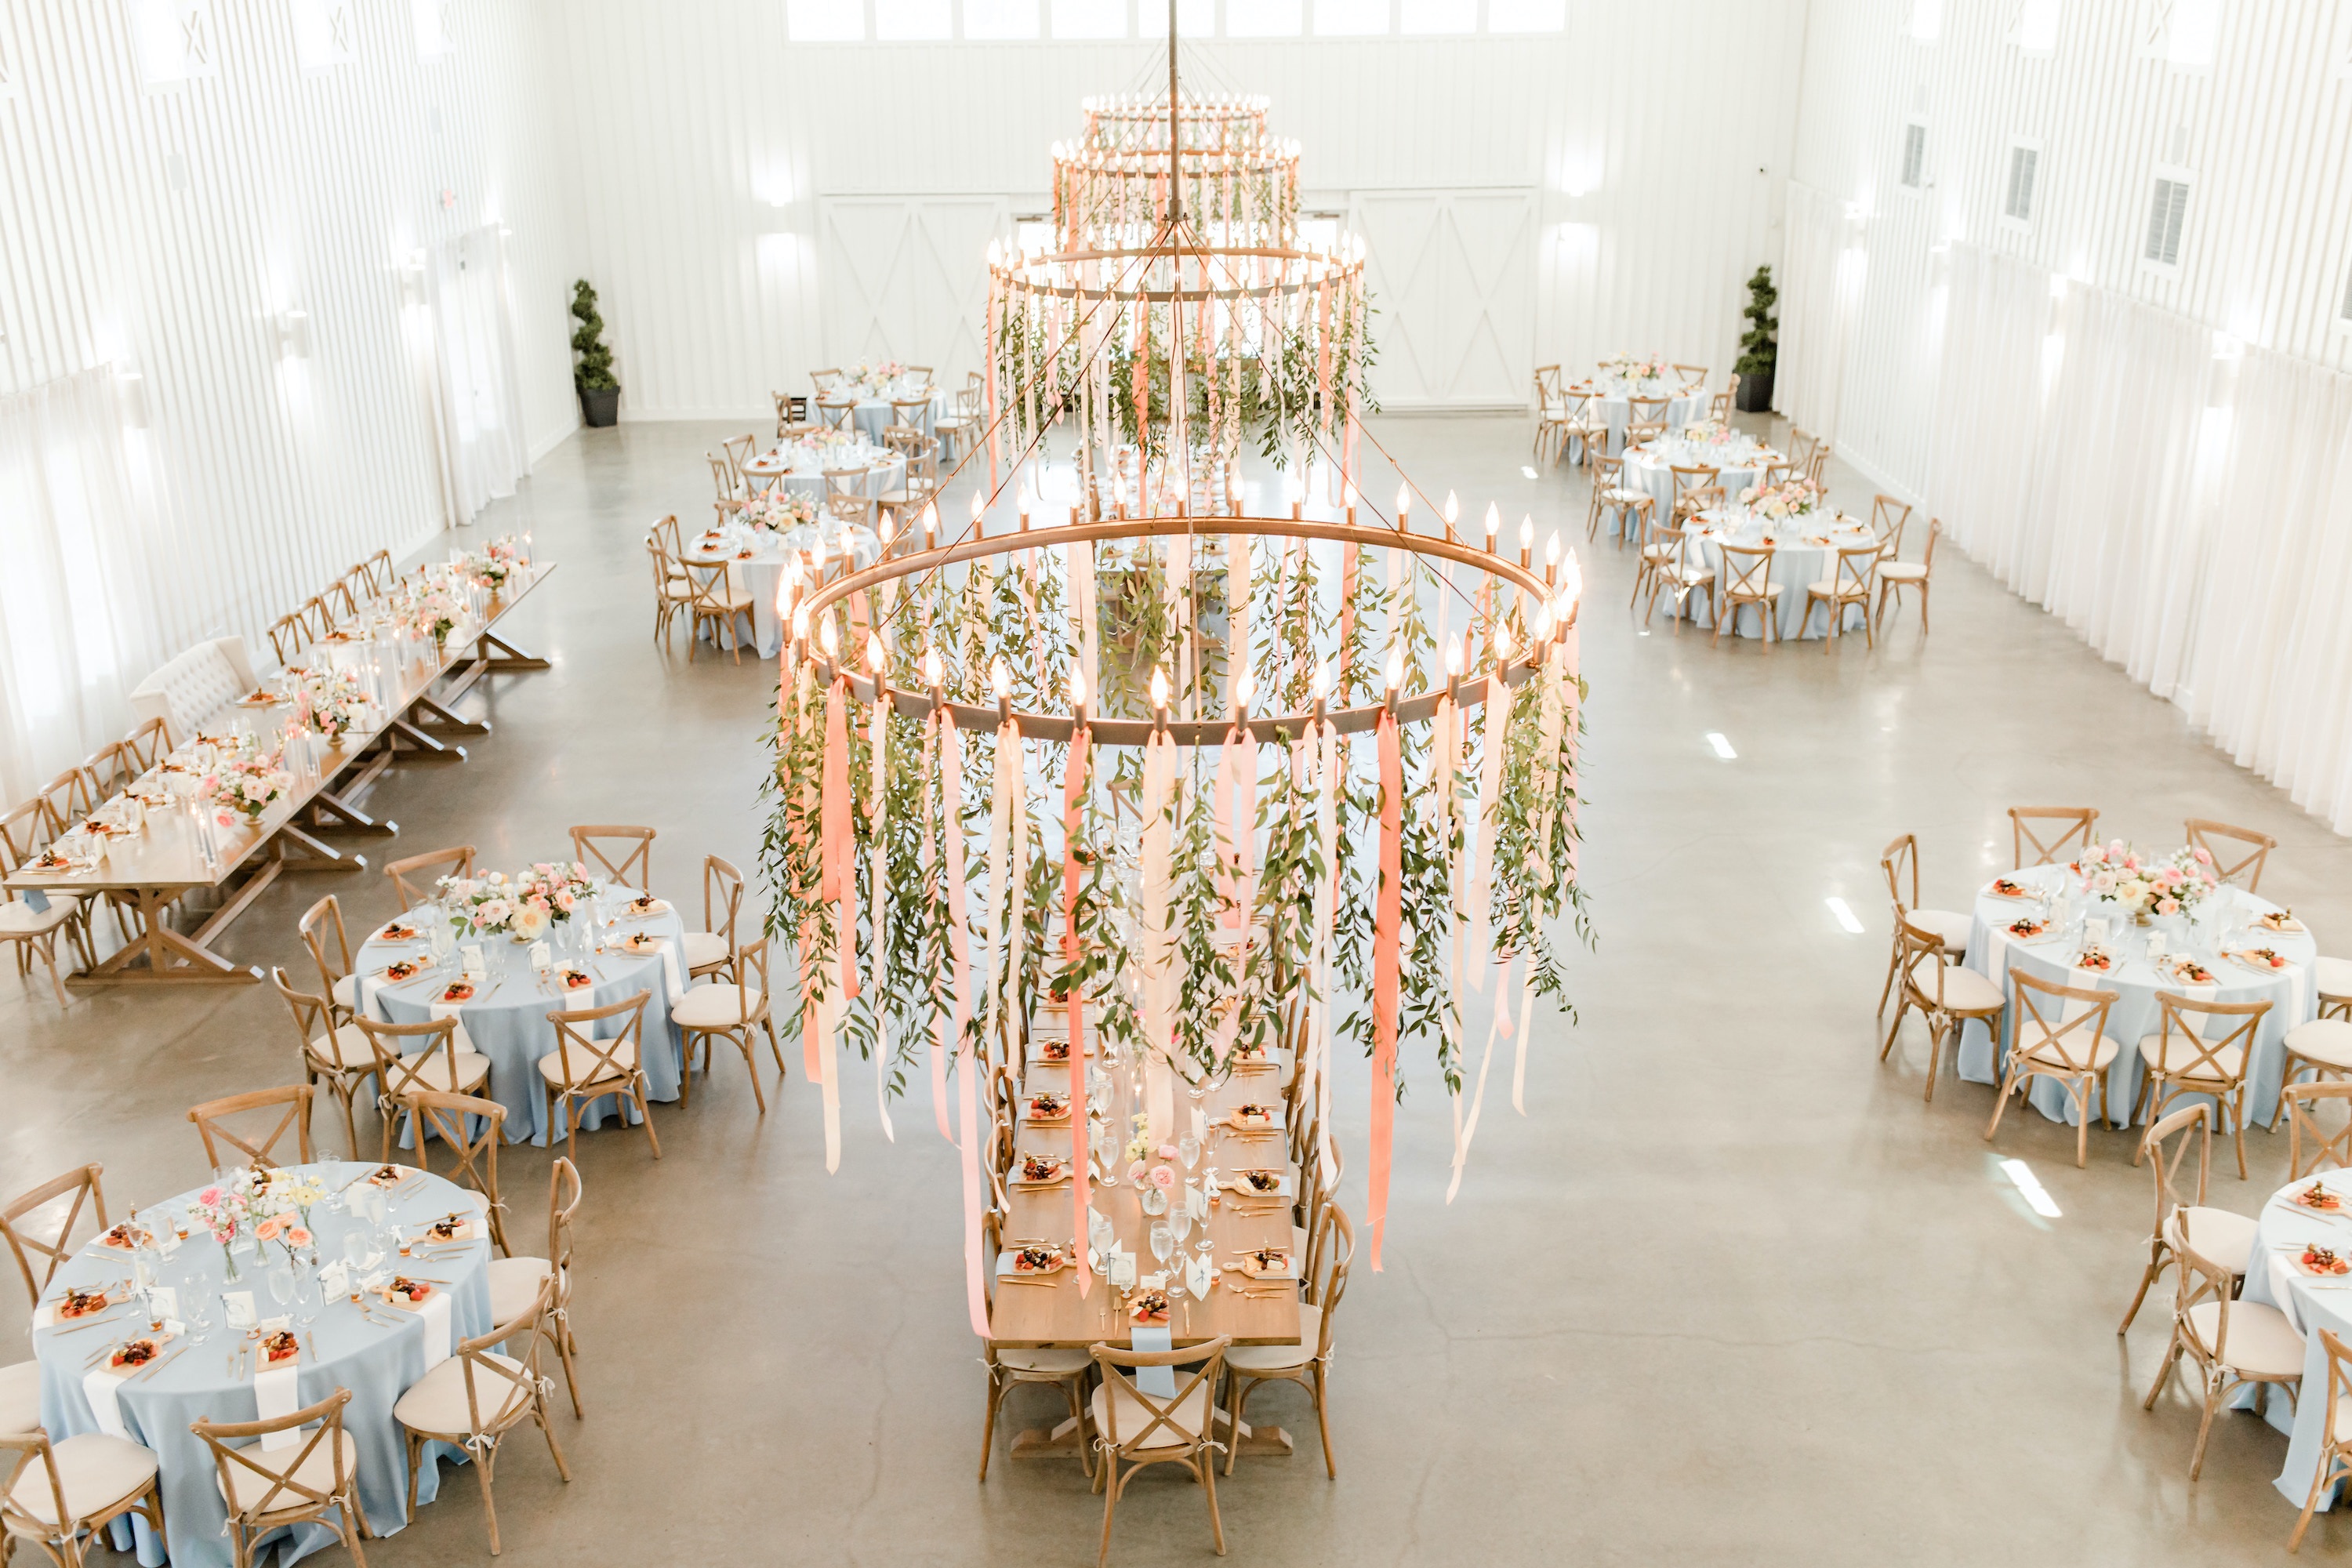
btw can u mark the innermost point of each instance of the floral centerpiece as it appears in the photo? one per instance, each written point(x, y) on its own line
point(552, 890)
point(267, 1205)
point(1637, 367)
point(2140, 885)
point(777, 509)
point(876, 376)
point(434, 613)
point(1709, 433)
point(243, 783)
point(497, 563)
point(1783, 502)
point(332, 703)
point(525, 907)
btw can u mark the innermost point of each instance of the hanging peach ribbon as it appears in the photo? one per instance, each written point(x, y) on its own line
point(940, 1045)
point(1323, 356)
point(1157, 941)
point(1350, 568)
point(1388, 921)
point(1569, 654)
point(967, 1070)
point(837, 883)
point(1327, 892)
point(878, 878)
point(1141, 380)
point(1074, 789)
point(1001, 886)
point(995, 398)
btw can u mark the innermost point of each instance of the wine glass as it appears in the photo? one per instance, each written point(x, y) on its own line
point(281, 1283)
point(200, 1315)
point(1188, 1149)
point(1180, 1222)
point(356, 1252)
point(1163, 1241)
point(308, 1293)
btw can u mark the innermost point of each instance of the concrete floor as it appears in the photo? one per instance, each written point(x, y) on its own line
point(1730, 1293)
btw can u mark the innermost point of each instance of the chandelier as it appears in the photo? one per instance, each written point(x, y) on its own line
point(1096, 754)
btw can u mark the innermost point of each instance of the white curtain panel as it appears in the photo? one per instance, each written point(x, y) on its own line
point(2190, 514)
point(1820, 295)
point(80, 622)
point(2269, 660)
point(479, 406)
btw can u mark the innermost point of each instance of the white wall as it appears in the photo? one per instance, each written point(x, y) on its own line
point(162, 229)
point(2266, 129)
point(1663, 133)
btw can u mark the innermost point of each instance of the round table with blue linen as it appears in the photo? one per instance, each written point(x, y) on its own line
point(192, 1379)
point(760, 574)
point(2310, 1304)
point(1802, 553)
point(1614, 398)
point(1994, 953)
point(507, 1018)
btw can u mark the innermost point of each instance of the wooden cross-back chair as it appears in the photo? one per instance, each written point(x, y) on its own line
point(2221, 840)
point(439, 1065)
point(1746, 580)
point(53, 1246)
point(792, 415)
point(834, 414)
point(288, 638)
point(731, 1011)
point(823, 380)
point(961, 421)
point(635, 869)
point(670, 590)
point(460, 862)
point(1608, 475)
point(1945, 994)
point(582, 1067)
point(322, 930)
point(737, 451)
point(381, 574)
point(2336, 1432)
point(2077, 826)
point(710, 950)
point(1691, 482)
point(2236, 1345)
point(338, 1054)
point(713, 597)
point(471, 1128)
point(150, 742)
point(1646, 411)
point(1899, 864)
point(907, 414)
point(477, 1397)
point(57, 1494)
point(1672, 564)
point(1693, 377)
point(1308, 1362)
point(2221, 1236)
point(293, 1105)
point(1850, 584)
point(2302, 1102)
point(1888, 518)
point(2074, 1053)
point(1894, 575)
point(1819, 462)
point(1140, 1428)
point(1065, 1369)
point(68, 799)
point(340, 597)
point(728, 500)
point(512, 1279)
point(111, 769)
point(34, 933)
point(269, 1489)
point(2201, 1047)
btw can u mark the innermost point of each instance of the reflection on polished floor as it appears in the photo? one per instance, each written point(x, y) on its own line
point(1739, 1258)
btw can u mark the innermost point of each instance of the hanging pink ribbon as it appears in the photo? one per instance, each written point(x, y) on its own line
point(1074, 789)
point(840, 876)
point(967, 1071)
point(1388, 921)
point(940, 1045)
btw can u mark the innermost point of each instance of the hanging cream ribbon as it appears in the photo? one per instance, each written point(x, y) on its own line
point(1500, 1026)
point(1011, 776)
point(836, 887)
point(1155, 940)
point(1320, 1033)
point(1074, 793)
point(941, 1047)
point(1388, 923)
point(1000, 895)
point(879, 891)
point(967, 1070)
point(1490, 796)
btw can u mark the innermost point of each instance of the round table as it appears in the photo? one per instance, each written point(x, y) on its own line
point(760, 574)
point(802, 472)
point(2310, 1305)
point(871, 416)
point(377, 1364)
point(1992, 954)
point(1614, 399)
point(1650, 469)
point(507, 1018)
point(1802, 554)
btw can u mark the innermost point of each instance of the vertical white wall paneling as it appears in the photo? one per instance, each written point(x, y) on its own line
point(1452, 274)
point(170, 227)
point(900, 284)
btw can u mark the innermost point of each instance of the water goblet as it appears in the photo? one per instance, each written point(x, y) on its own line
point(1180, 1222)
point(1163, 1241)
point(281, 1283)
point(1188, 1147)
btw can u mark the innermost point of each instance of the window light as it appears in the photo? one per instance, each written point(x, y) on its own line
point(1526, 16)
point(825, 21)
point(908, 21)
point(1265, 20)
point(1437, 16)
point(999, 19)
point(1350, 18)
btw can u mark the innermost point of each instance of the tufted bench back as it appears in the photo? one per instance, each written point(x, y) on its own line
point(197, 685)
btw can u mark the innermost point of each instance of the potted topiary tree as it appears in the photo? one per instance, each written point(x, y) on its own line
point(600, 393)
point(1759, 344)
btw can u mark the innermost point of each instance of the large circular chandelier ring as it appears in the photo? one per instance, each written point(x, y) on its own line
point(1465, 691)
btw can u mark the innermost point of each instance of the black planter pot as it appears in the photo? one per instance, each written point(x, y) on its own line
point(1755, 393)
point(598, 409)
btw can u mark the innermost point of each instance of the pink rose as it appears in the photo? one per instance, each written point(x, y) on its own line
point(209, 1197)
point(1168, 1150)
point(1135, 1171)
point(268, 1229)
point(298, 1236)
point(1162, 1177)
point(224, 1236)
point(2204, 858)
point(227, 819)
point(2168, 906)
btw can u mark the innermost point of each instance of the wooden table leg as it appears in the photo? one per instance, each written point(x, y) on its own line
point(160, 954)
point(332, 812)
point(508, 656)
point(415, 746)
point(433, 715)
point(1038, 1443)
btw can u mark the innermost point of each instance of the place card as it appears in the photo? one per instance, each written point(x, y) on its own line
point(542, 955)
point(162, 1302)
point(335, 1278)
point(477, 967)
point(1122, 1268)
point(276, 1325)
point(236, 1307)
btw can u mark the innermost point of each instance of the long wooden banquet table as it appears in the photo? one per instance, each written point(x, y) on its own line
point(1038, 1315)
point(154, 870)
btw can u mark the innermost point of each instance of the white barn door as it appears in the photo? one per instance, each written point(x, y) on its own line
point(1453, 280)
point(906, 278)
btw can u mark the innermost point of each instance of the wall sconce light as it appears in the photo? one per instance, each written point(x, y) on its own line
point(293, 334)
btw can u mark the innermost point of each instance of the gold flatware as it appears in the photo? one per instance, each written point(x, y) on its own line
point(165, 1362)
point(312, 1341)
point(92, 1323)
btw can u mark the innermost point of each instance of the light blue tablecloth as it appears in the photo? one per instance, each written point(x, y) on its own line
point(378, 1365)
point(507, 1021)
point(1796, 562)
point(1614, 399)
point(2311, 1306)
point(2292, 998)
point(764, 573)
point(873, 415)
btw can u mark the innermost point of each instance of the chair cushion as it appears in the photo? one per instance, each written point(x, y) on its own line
point(1965, 990)
point(1046, 1363)
point(457, 1074)
point(2333, 976)
point(2262, 1342)
point(1901, 571)
point(573, 1063)
point(2326, 1040)
point(346, 1048)
point(514, 1283)
point(697, 948)
point(20, 1396)
point(95, 1472)
point(714, 1006)
point(1952, 927)
point(244, 1489)
point(346, 993)
point(436, 1402)
point(2171, 1053)
point(18, 919)
point(2217, 1236)
point(1192, 1413)
point(1280, 1358)
point(2034, 1040)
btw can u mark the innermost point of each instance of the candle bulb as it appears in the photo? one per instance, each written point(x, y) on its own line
point(1244, 689)
point(934, 676)
point(1552, 558)
point(888, 531)
point(1078, 696)
point(1543, 620)
point(1572, 584)
point(800, 630)
point(1404, 508)
point(931, 524)
point(1394, 674)
point(1159, 696)
point(828, 638)
point(979, 513)
point(1321, 685)
point(1494, 520)
point(1453, 513)
point(999, 675)
point(878, 662)
point(1454, 669)
point(1348, 495)
point(1526, 541)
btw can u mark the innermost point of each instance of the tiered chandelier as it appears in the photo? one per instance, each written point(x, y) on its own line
point(1094, 756)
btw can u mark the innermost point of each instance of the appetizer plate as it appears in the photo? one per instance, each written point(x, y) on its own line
point(1030, 1261)
point(412, 1299)
point(1242, 1185)
point(132, 1355)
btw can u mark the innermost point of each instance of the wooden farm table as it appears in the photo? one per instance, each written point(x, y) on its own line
point(1031, 1315)
point(156, 868)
